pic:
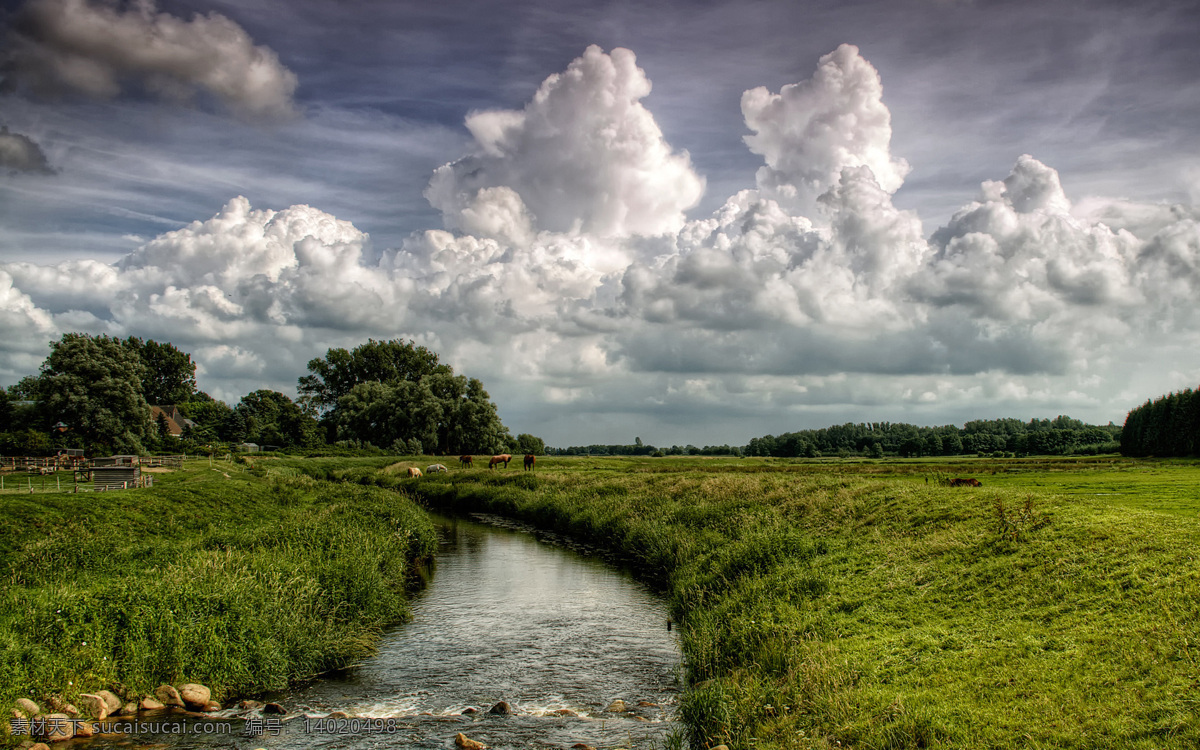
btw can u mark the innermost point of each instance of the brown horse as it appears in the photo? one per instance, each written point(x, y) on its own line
point(530, 459)
point(414, 471)
point(503, 458)
point(965, 482)
point(465, 460)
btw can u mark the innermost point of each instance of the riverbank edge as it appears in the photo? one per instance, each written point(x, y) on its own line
point(240, 580)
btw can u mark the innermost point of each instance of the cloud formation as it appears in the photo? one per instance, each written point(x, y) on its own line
point(569, 275)
point(20, 153)
point(810, 131)
point(99, 48)
point(583, 156)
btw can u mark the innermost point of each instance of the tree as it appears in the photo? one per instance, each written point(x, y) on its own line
point(170, 374)
point(272, 418)
point(6, 412)
point(335, 375)
point(163, 430)
point(94, 385)
point(527, 443)
point(448, 414)
point(209, 415)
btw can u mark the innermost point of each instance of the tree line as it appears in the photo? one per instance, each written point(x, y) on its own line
point(1167, 426)
point(1058, 436)
point(96, 393)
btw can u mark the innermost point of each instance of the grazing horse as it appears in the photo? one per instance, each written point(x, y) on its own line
point(414, 471)
point(435, 469)
point(967, 482)
point(503, 458)
point(529, 461)
point(465, 460)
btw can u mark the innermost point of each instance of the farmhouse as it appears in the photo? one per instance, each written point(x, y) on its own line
point(176, 422)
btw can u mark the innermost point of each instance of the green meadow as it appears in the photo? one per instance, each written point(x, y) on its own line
point(865, 604)
point(242, 580)
point(821, 603)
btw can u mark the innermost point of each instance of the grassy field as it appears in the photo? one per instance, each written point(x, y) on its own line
point(863, 604)
point(243, 580)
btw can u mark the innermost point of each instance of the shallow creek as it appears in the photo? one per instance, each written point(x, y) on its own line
point(505, 616)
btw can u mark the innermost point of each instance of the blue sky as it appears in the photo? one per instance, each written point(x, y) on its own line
point(973, 209)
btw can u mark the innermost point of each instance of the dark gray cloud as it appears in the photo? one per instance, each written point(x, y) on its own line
point(98, 48)
point(20, 153)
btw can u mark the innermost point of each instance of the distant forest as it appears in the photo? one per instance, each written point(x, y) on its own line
point(1059, 436)
point(1169, 426)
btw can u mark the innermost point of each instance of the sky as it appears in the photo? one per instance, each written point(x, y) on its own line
point(688, 222)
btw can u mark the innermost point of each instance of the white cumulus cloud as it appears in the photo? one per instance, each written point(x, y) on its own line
point(583, 156)
point(810, 131)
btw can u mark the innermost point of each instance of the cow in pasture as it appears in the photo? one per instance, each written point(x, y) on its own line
point(414, 471)
point(435, 469)
point(530, 460)
point(965, 482)
point(503, 458)
point(466, 461)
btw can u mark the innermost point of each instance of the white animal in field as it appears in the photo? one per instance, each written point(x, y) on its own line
point(435, 469)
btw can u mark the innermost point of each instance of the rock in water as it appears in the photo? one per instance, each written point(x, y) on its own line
point(616, 707)
point(501, 708)
point(466, 743)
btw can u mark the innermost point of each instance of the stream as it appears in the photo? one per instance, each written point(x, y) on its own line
point(505, 616)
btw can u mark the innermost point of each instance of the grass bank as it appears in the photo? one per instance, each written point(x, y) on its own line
point(856, 604)
point(241, 580)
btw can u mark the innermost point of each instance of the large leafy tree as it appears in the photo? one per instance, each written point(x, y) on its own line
point(170, 374)
point(397, 393)
point(272, 418)
point(339, 371)
point(93, 384)
point(445, 413)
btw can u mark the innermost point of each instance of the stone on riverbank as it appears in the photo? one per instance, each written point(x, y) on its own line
point(168, 695)
point(616, 707)
point(114, 703)
point(59, 727)
point(274, 708)
point(466, 743)
point(129, 709)
point(150, 704)
point(195, 696)
point(85, 729)
point(94, 705)
point(29, 707)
